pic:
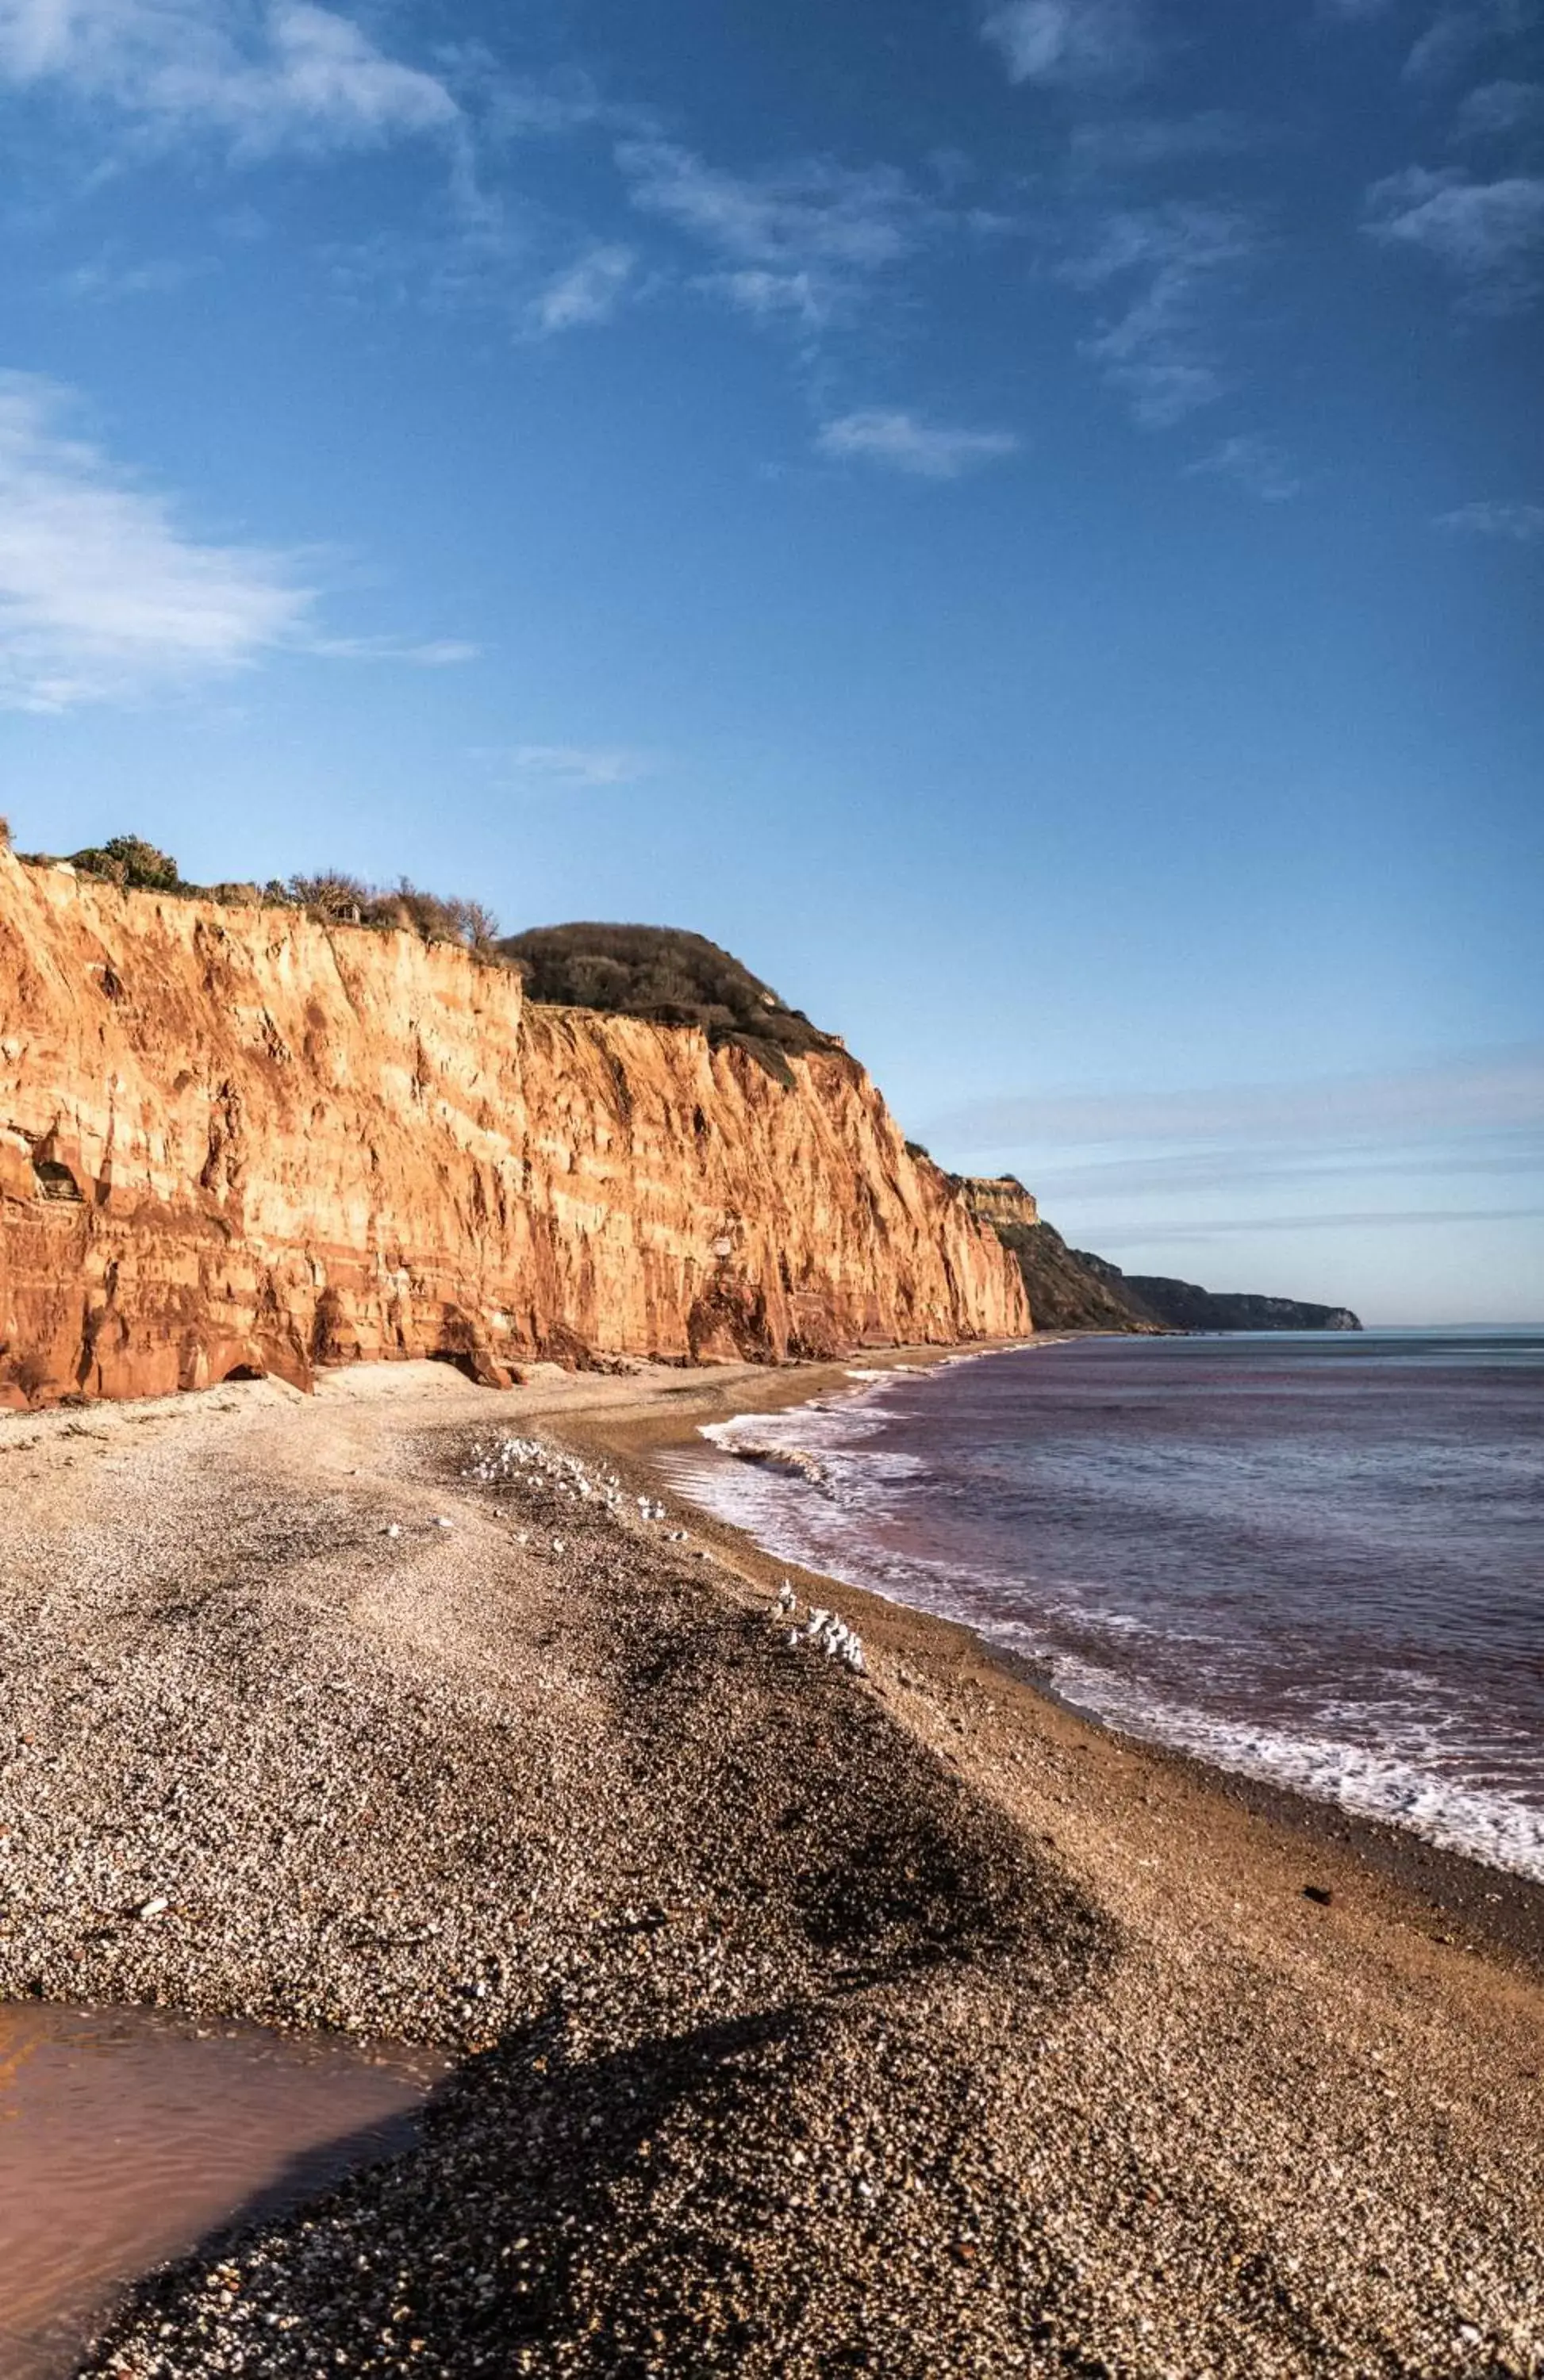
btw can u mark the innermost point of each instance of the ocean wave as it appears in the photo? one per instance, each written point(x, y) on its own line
point(1411, 1749)
point(794, 1459)
point(1368, 1780)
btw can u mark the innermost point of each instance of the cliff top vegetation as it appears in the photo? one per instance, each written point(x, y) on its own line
point(667, 976)
point(659, 974)
point(332, 896)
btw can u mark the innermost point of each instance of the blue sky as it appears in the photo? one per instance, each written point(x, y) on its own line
point(1025, 521)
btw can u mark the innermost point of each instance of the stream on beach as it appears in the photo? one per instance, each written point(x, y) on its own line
point(1312, 1557)
point(128, 2136)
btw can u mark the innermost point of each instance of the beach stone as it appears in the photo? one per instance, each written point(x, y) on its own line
point(781, 2009)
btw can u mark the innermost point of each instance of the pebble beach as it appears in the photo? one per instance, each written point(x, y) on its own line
point(821, 1997)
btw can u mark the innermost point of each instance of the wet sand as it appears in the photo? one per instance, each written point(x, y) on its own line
point(805, 2022)
point(125, 2135)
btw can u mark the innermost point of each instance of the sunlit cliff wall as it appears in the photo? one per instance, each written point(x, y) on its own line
point(235, 1139)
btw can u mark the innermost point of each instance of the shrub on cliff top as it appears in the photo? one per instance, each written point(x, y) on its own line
point(128, 860)
point(668, 977)
point(341, 899)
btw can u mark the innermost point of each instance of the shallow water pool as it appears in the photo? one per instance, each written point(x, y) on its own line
point(126, 2135)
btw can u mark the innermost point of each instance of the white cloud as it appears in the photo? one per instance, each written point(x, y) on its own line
point(579, 765)
point(1122, 144)
point(498, 260)
point(439, 653)
point(107, 279)
point(899, 442)
point(567, 101)
point(1488, 235)
point(798, 239)
point(1497, 109)
point(1358, 1219)
point(585, 293)
point(1163, 390)
point(284, 74)
point(1489, 1091)
point(1252, 463)
point(1176, 260)
point(1077, 43)
point(803, 298)
point(103, 595)
point(1452, 35)
point(1458, 32)
point(1522, 524)
point(845, 216)
point(1328, 1165)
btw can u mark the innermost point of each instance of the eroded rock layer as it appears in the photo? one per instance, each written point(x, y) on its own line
point(234, 1139)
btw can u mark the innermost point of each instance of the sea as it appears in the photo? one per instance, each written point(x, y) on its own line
point(1313, 1557)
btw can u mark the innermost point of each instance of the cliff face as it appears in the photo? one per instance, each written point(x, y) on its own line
point(1071, 1290)
point(1001, 1199)
point(1067, 1291)
point(234, 1139)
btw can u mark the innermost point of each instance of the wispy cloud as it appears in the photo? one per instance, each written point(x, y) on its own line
point(843, 216)
point(288, 74)
point(111, 278)
point(103, 595)
point(798, 241)
point(1125, 1170)
point(923, 450)
point(1355, 12)
point(439, 653)
point(1076, 44)
point(1459, 33)
point(583, 293)
point(579, 766)
point(1127, 144)
point(1318, 1168)
point(1493, 1090)
point(1520, 524)
point(1495, 111)
point(512, 108)
point(1367, 1218)
point(805, 298)
point(1252, 463)
point(1488, 236)
point(1174, 262)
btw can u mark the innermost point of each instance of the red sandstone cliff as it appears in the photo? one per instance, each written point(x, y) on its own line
point(238, 1139)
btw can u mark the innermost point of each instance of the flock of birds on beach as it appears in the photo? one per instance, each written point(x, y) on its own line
point(525, 1462)
point(822, 1629)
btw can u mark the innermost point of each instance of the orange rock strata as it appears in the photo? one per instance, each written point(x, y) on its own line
point(234, 1139)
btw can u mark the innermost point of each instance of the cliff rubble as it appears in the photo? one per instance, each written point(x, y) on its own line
point(235, 1139)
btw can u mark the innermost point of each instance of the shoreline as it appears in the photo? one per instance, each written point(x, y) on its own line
point(802, 2022)
point(1496, 1906)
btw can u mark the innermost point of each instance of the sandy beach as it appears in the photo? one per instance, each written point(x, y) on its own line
point(806, 2020)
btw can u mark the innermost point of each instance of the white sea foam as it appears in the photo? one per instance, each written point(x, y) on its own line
point(1406, 1751)
point(1387, 1780)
